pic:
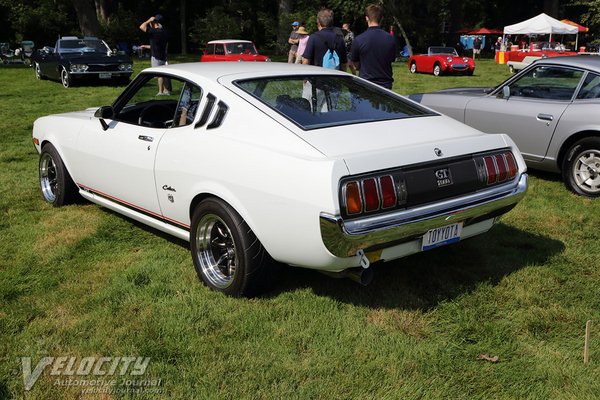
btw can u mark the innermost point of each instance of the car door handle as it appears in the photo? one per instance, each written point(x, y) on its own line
point(146, 138)
point(545, 117)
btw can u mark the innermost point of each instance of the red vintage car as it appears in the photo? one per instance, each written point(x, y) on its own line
point(232, 50)
point(519, 59)
point(441, 60)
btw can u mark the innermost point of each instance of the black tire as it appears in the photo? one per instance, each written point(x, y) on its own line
point(581, 167)
point(437, 69)
point(511, 69)
point(65, 78)
point(38, 72)
point(56, 184)
point(413, 67)
point(228, 257)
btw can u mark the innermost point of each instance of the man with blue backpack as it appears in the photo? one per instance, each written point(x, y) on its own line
point(326, 48)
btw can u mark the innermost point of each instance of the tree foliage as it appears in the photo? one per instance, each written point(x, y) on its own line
point(425, 22)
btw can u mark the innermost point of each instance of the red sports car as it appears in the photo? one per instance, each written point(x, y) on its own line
point(232, 50)
point(441, 60)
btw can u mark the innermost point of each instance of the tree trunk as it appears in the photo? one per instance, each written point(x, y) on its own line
point(86, 15)
point(102, 10)
point(403, 33)
point(182, 18)
point(284, 9)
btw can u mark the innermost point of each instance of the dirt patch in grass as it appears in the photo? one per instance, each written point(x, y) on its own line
point(65, 227)
point(411, 323)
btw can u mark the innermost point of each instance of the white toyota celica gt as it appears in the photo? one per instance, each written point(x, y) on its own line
point(255, 163)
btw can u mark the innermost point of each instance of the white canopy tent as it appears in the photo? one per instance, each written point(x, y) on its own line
point(542, 24)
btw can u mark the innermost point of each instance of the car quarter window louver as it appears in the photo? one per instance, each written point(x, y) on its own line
point(210, 102)
point(219, 116)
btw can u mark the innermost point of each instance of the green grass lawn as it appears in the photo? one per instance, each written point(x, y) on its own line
point(82, 281)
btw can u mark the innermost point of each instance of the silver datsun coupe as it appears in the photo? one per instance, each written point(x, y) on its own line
point(550, 109)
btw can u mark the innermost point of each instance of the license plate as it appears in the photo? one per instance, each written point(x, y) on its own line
point(105, 75)
point(442, 236)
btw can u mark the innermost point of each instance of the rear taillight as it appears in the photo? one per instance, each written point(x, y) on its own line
point(372, 194)
point(353, 198)
point(388, 191)
point(499, 167)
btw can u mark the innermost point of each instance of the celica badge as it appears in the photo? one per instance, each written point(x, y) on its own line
point(443, 177)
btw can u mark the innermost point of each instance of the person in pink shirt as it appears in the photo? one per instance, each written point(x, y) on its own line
point(302, 40)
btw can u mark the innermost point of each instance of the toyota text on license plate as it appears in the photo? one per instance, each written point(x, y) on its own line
point(441, 236)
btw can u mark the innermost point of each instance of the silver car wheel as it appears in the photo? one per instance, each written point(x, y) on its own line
point(48, 177)
point(38, 71)
point(216, 250)
point(437, 70)
point(65, 78)
point(586, 171)
point(413, 67)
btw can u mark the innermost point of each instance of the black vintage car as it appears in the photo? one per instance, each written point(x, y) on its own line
point(74, 59)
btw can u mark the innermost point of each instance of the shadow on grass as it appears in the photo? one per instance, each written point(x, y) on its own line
point(420, 281)
point(423, 280)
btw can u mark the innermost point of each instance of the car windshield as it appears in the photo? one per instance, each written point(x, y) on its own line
point(82, 46)
point(316, 101)
point(443, 50)
point(240, 48)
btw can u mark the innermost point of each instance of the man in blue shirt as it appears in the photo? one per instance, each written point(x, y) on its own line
point(327, 37)
point(374, 50)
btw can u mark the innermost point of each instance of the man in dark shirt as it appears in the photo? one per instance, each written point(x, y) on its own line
point(327, 37)
point(158, 48)
point(374, 50)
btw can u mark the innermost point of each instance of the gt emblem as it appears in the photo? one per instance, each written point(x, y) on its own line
point(443, 176)
point(438, 152)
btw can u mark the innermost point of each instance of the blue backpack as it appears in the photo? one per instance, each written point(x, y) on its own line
point(331, 59)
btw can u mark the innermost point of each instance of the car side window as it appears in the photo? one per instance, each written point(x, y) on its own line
point(210, 49)
point(219, 50)
point(188, 104)
point(547, 82)
point(150, 108)
point(590, 88)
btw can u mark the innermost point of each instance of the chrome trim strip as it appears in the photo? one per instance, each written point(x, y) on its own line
point(345, 238)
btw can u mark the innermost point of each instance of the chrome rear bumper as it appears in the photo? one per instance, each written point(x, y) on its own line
point(345, 238)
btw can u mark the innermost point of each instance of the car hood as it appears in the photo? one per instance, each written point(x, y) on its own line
point(86, 58)
point(388, 144)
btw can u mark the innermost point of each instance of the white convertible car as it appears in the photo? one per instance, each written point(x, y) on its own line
point(254, 163)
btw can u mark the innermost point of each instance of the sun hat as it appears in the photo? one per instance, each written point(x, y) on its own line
point(295, 23)
point(302, 31)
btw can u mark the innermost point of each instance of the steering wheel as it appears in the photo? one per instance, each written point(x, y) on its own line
point(141, 119)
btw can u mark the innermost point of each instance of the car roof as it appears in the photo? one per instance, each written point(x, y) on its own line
point(216, 70)
point(590, 62)
point(226, 41)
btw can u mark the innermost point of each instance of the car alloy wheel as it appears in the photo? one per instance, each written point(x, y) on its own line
point(38, 71)
point(413, 67)
point(581, 167)
point(227, 255)
point(586, 171)
point(65, 78)
point(48, 178)
point(216, 251)
point(437, 70)
point(511, 69)
point(56, 184)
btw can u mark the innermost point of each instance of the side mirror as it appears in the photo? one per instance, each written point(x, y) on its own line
point(505, 92)
point(104, 112)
